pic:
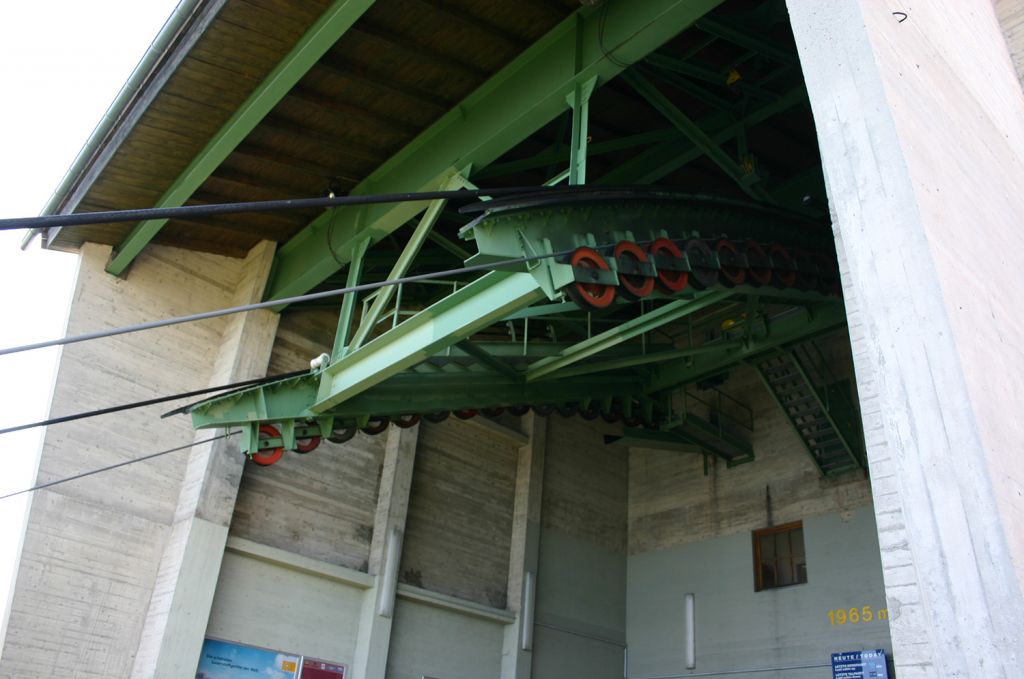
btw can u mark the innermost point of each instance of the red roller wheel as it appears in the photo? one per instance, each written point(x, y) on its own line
point(464, 414)
point(759, 265)
point(307, 445)
point(784, 273)
point(670, 281)
point(406, 421)
point(590, 295)
point(732, 274)
point(439, 416)
point(376, 425)
point(633, 285)
point(703, 272)
point(268, 456)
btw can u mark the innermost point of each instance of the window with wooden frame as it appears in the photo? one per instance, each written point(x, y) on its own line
point(779, 559)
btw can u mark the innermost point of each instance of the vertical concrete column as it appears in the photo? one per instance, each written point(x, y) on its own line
point(525, 551)
point(919, 120)
point(374, 638)
point(179, 608)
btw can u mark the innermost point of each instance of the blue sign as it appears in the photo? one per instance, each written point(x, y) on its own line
point(859, 665)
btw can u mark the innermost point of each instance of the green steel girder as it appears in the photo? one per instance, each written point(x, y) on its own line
point(401, 266)
point(711, 351)
point(293, 399)
point(334, 22)
point(698, 73)
point(663, 159)
point(633, 437)
point(645, 323)
point(514, 103)
point(746, 181)
point(747, 39)
point(798, 325)
point(503, 232)
point(454, 318)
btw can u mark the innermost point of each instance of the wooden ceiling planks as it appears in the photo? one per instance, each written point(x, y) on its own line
point(402, 66)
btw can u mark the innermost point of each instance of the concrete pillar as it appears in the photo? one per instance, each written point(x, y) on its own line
point(524, 558)
point(375, 620)
point(921, 126)
point(179, 608)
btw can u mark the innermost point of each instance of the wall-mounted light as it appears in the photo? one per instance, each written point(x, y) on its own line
point(529, 596)
point(691, 635)
point(389, 578)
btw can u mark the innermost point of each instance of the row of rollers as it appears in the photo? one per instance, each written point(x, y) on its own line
point(699, 264)
point(379, 424)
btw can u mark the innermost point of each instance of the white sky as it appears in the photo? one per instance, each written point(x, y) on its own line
point(62, 62)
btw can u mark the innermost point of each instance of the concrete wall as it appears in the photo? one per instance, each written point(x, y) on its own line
point(443, 642)
point(672, 502)
point(921, 128)
point(319, 505)
point(737, 628)
point(269, 598)
point(92, 547)
point(691, 532)
point(458, 533)
point(580, 618)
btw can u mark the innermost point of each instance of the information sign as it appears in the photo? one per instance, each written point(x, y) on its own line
point(859, 665)
point(227, 660)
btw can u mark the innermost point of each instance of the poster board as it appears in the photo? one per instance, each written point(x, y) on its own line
point(221, 659)
point(860, 665)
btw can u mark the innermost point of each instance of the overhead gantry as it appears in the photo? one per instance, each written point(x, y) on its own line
point(604, 303)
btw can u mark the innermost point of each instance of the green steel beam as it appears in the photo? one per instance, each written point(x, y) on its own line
point(405, 393)
point(707, 75)
point(449, 245)
point(647, 322)
point(555, 153)
point(348, 303)
point(748, 40)
point(654, 440)
point(708, 350)
point(454, 318)
point(489, 360)
point(384, 295)
point(510, 106)
point(334, 22)
point(796, 326)
point(699, 137)
point(650, 166)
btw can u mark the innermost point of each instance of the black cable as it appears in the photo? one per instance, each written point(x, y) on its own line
point(115, 466)
point(193, 211)
point(153, 401)
point(99, 334)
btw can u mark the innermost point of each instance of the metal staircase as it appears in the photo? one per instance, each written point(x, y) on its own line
point(818, 406)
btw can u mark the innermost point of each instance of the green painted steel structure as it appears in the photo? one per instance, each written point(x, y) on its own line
point(518, 100)
point(623, 358)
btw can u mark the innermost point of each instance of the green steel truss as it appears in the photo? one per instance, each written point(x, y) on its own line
point(625, 358)
point(515, 337)
point(549, 77)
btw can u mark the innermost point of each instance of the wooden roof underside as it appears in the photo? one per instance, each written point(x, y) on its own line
point(401, 66)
